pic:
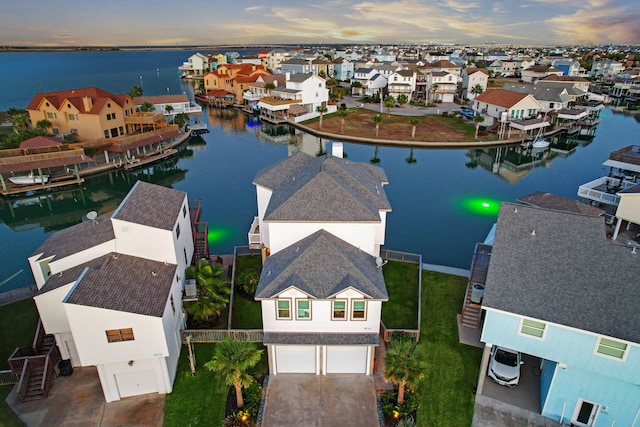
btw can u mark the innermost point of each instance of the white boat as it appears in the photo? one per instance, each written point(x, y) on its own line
point(29, 179)
point(540, 143)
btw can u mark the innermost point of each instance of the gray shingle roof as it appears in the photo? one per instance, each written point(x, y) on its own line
point(567, 272)
point(320, 338)
point(323, 188)
point(551, 201)
point(321, 265)
point(69, 275)
point(151, 205)
point(126, 283)
point(77, 238)
point(300, 77)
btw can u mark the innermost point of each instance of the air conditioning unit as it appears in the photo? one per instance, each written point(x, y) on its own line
point(190, 289)
point(73, 131)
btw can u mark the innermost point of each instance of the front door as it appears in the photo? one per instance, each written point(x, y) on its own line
point(585, 413)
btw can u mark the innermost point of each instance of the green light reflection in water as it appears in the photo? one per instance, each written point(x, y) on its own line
point(480, 205)
point(218, 234)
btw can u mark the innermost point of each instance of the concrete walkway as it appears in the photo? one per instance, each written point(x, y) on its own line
point(78, 400)
point(295, 400)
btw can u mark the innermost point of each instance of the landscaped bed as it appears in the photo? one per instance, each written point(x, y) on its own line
point(431, 128)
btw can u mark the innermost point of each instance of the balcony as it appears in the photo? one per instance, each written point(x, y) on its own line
point(528, 124)
point(255, 241)
point(605, 189)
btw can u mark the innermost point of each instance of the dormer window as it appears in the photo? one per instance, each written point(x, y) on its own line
point(339, 311)
point(358, 310)
point(284, 309)
point(303, 309)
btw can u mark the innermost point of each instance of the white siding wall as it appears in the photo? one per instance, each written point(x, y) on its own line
point(88, 325)
point(142, 241)
point(172, 322)
point(361, 235)
point(52, 314)
point(321, 311)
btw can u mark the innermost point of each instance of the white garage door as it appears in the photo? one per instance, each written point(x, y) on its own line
point(135, 383)
point(346, 359)
point(299, 359)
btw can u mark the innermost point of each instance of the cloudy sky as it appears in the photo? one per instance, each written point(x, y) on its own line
point(200, 22)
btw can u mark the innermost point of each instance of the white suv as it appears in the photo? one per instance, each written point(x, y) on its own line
point(504, 366)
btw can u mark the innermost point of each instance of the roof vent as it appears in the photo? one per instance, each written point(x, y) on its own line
point(154, 274)
point(515, 210)
point(533, 232)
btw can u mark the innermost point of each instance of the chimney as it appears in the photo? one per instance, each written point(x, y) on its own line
point(88, 103)
point(337, 149)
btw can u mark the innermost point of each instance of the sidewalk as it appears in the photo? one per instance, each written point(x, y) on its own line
point(406, 110)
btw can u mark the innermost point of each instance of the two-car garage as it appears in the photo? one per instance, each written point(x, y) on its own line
point(320, 359)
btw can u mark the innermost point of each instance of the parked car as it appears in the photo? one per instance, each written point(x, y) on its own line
point(504, 366)
point(468, 113)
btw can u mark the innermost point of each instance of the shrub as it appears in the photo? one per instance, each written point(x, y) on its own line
point(248, 281)
point(392, 409)
point(252, 396)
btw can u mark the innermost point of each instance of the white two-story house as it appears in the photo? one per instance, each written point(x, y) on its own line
point(402, 82)
point(471, 78)
point(367, 82)
point(322, 222)
point(110, 290)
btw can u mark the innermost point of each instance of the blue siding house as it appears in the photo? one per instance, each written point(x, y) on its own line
point(559, 290)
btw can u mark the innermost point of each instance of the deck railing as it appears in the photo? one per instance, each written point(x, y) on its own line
point(254, 233)
point(591, 192)
point(8, 378)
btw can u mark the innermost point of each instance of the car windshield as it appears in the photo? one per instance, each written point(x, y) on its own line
point(506, 357)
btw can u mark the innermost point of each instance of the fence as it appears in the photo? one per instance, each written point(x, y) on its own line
point(387, 334)
point(16, 295)
point(219, 335)
point(8, 378)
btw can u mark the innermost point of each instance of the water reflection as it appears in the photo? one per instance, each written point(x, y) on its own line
point(56, 210)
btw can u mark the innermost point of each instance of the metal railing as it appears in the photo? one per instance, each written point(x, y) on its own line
point(254, 232)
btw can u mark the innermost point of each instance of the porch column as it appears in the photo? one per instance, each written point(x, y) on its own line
point(617, 230)
point(486, 355)
point(106, 156)
point(4, 185)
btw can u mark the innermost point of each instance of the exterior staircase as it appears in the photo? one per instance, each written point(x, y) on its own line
point(35, 366)
point(471, 316)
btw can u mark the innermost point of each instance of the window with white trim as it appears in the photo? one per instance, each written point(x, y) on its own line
point(358, 310)
point(611, 348)
point(119, 335)
point(303, 309)
point(339, 311)
point(284, 309)
point(533, 328)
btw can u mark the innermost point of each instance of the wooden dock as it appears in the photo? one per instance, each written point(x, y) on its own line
point(20, 189)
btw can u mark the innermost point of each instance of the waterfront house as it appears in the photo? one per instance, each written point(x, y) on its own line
point(88, 113)
point(560, 292)
point(342, 69)
point(504, 105)
point(606, 68)
point(320, 225)
point(441, 86)
point(110, 290)
point(471, 77)
point(233, 78)
point(178, 104)
point(196, 65)
point(275, 58)
point(298, 100)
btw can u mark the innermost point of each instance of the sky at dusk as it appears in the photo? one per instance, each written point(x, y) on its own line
point(200, 22)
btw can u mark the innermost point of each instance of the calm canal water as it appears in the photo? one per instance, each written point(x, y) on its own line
point(437, 196)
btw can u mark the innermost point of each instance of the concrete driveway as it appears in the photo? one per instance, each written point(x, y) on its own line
point(78, 401)
point(320, 401)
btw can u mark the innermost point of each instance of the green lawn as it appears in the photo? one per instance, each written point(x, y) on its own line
point(401, 311)
point(246, 314)
point(19, 322)
point(7, 417)
point(446, 393)
point(201, 399)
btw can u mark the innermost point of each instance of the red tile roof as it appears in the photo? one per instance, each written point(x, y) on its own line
point(39, 142)
point(501, 97)
point(75, 97)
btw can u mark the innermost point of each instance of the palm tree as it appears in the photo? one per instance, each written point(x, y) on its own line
point(19, 118)
point(181, 119)
point(405, 363)
point(434, 89)
point(168, 109)
point(389, 102)
point(135, 91)
point(477, 120)
point(377, 119)
point(233, 359)
point(269, 87)
point(212, 290)
point(147, 107)
point(321, 109)
point(342, 114)
point(332, 84)
point(413, 123)
point(43, 124)
point(476, 90)
point(402, 99)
